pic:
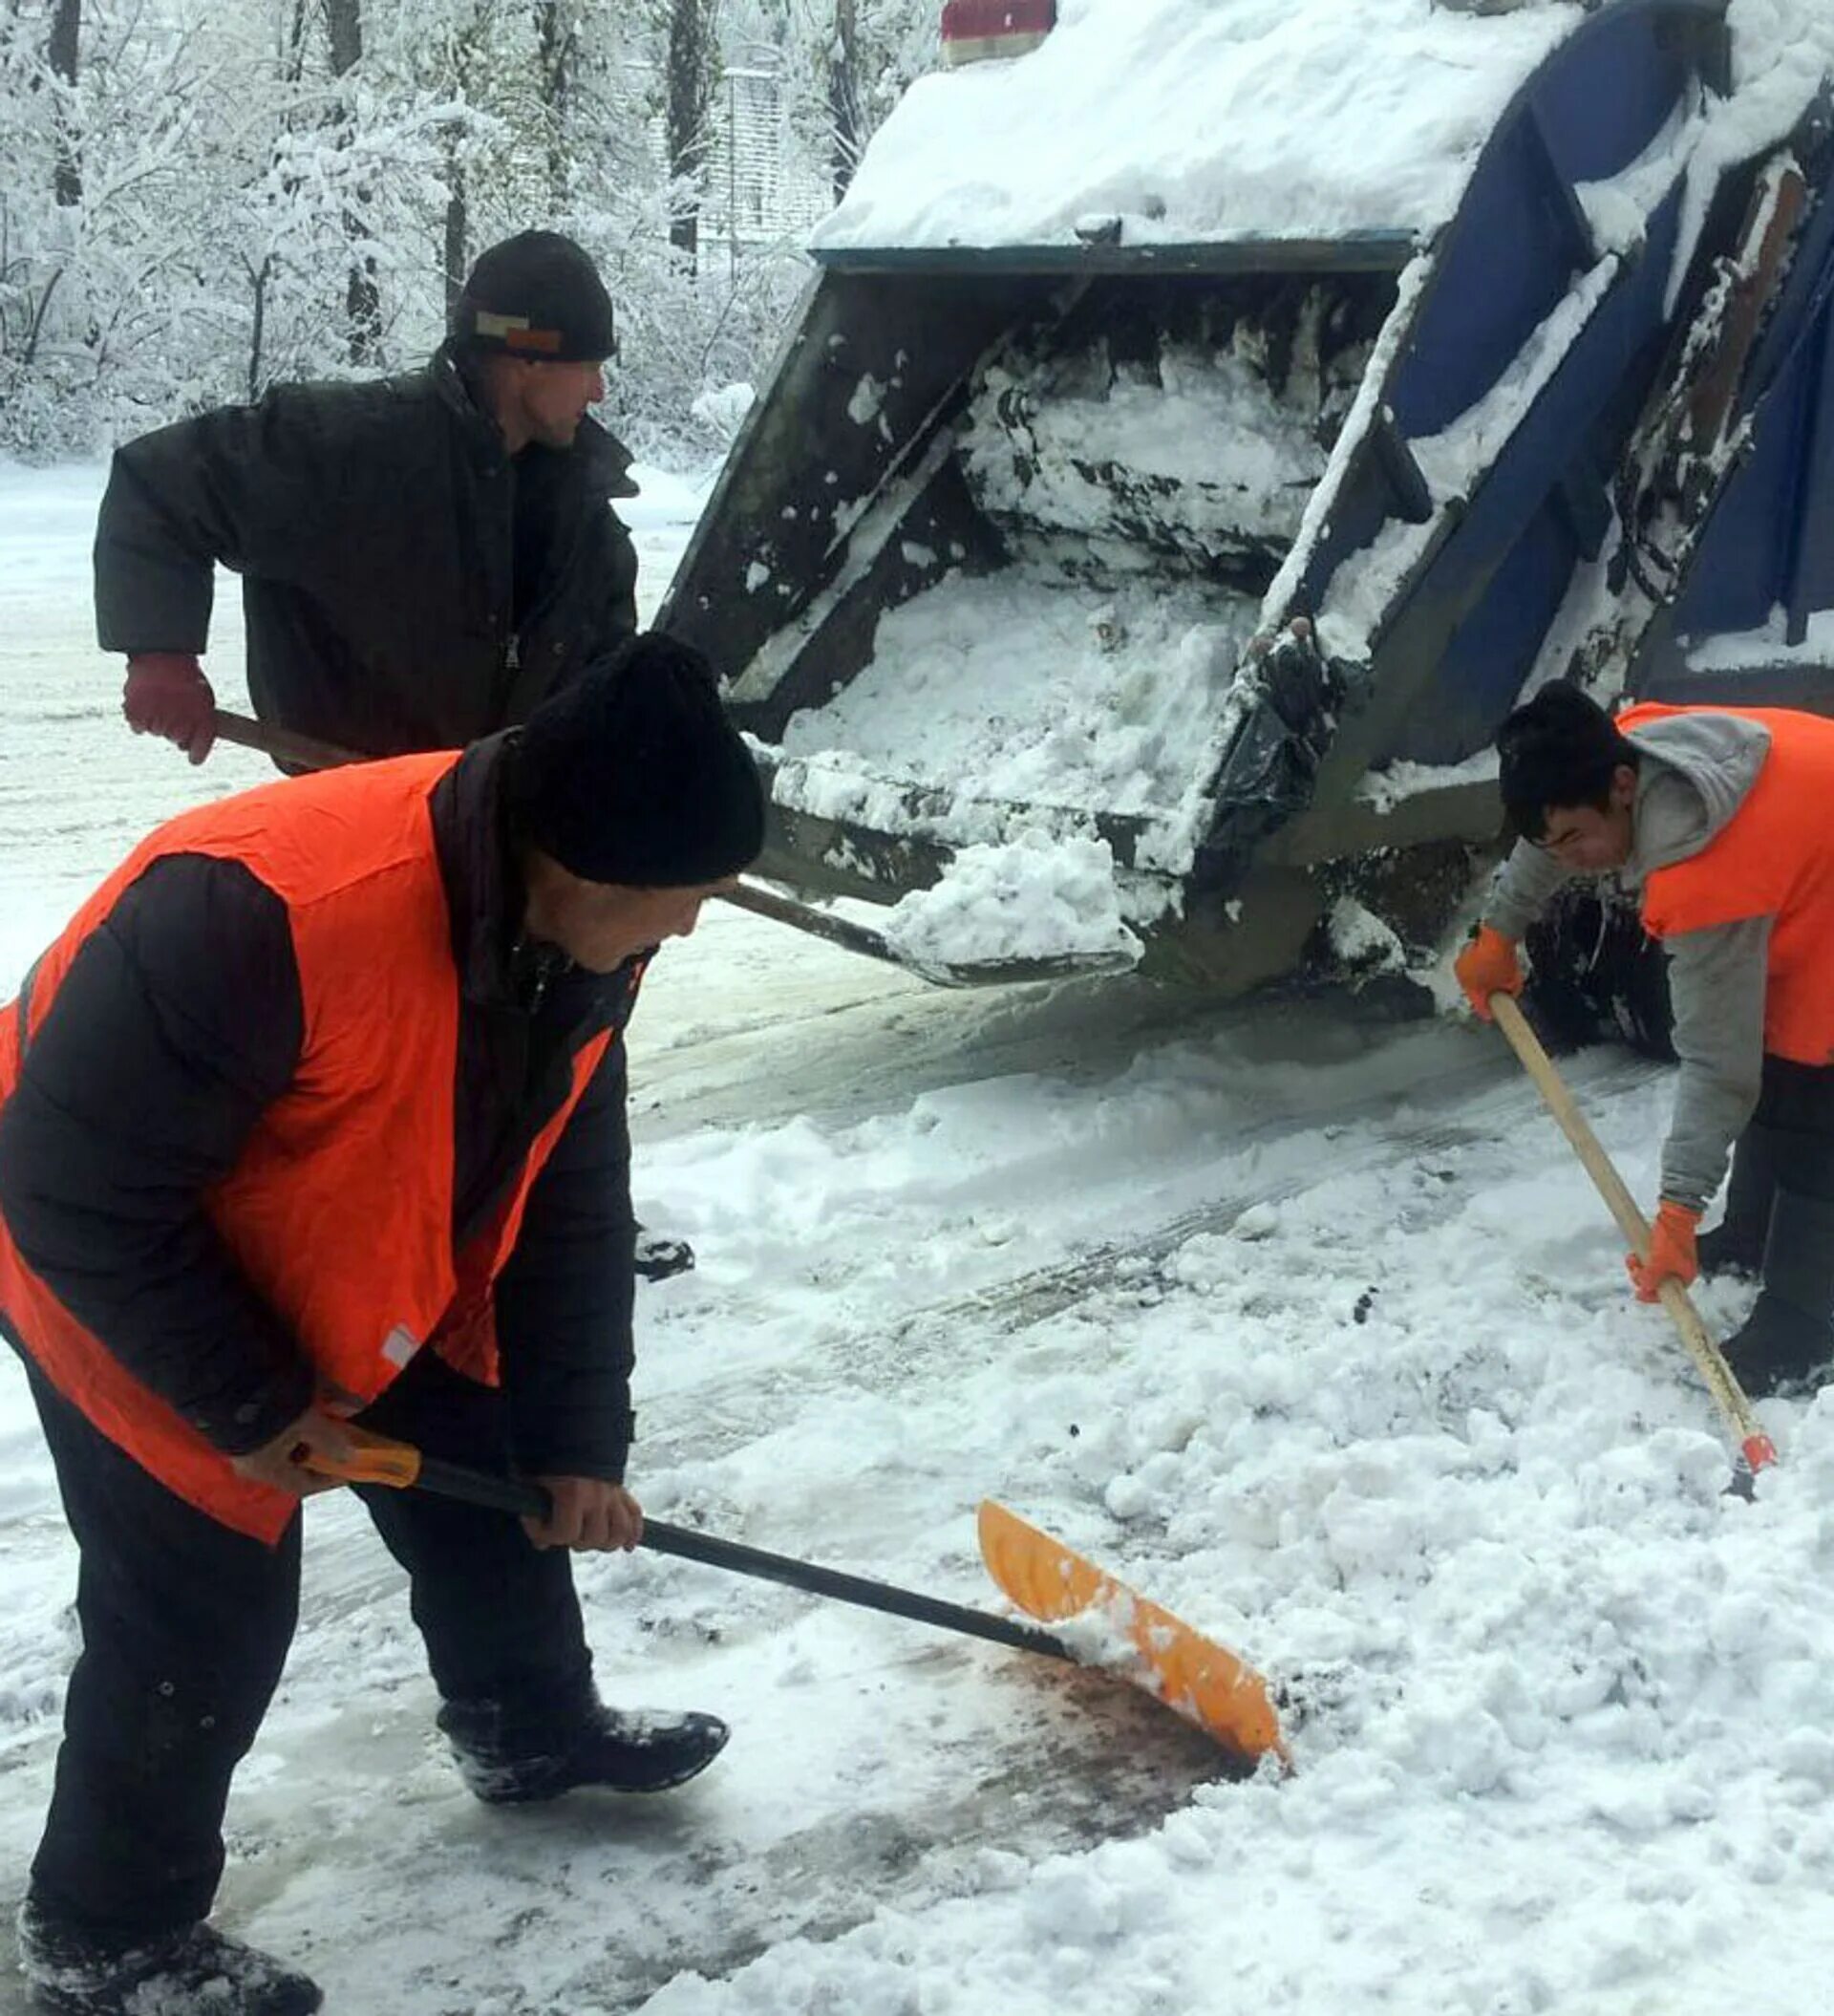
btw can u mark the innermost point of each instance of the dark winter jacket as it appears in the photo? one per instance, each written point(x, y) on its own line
point(147, 1075)
point(376, 528)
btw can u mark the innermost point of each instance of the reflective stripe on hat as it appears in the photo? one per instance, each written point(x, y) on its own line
point(513, 331)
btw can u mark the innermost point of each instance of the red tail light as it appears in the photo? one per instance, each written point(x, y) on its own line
point(974, 29)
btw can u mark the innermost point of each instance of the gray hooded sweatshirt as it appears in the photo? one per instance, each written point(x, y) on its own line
point(1695, 772)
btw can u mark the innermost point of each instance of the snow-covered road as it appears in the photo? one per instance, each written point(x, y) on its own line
point(1312, 1331)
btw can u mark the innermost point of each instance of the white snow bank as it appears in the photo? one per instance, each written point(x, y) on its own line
point(1287, 119)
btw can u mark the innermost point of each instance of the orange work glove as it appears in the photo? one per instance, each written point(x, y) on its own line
point(167, 694)
point(1672, 1252)
point(1488, 965)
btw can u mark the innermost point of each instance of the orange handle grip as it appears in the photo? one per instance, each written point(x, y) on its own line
point(376, 1460)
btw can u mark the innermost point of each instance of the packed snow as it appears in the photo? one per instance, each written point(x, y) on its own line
point(1179, 121)
point(1311, 1331)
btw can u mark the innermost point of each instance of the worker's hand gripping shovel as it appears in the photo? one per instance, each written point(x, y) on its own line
point(1117, 1629)
point(1757, 1451)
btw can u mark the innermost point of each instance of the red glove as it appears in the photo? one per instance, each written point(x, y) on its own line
point(1672, 1252)
point(167, 694)
point(1487, 966)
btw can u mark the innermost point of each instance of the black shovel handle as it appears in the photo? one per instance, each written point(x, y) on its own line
point(402, 1466)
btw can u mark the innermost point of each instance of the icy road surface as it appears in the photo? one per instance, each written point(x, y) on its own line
point(1313, 1332)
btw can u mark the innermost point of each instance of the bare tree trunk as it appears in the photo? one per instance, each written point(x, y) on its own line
point(61, 49)
point(293, 67)
point(362, 298)
point(693, 78)
point(557, 36)
point(258, 333)
point(844, 137)
point(457, 229)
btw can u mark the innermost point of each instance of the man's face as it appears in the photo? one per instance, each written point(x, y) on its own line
point(599, 925)
point(554, 397)
point(1587, 841)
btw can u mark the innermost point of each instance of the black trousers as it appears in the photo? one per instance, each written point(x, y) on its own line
point(185, 1626)
point(1796, 1104)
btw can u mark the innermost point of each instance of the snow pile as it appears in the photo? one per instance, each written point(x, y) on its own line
point(1283, 119)
point(1039, 896)
point(1021, 688)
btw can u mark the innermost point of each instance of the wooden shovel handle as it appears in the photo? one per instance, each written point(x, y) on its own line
point(1758, 1451)
point(304, 751)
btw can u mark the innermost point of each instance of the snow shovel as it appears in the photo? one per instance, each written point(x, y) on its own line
point(305, 752)
point(1133, 1638)
point(1756, 1449)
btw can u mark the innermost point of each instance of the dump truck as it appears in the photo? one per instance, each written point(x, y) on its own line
point(1204, 424)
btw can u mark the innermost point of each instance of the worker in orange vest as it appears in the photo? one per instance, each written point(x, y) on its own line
point(1719, 816)
point(315, 1113)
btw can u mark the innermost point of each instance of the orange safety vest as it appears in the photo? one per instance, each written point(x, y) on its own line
point(1773, 858)
point(339, 1210)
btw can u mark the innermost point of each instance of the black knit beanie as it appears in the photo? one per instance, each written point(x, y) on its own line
point(536, 296)
point(632, 774)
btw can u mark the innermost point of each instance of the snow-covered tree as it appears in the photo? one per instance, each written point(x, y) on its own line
point(197, 199)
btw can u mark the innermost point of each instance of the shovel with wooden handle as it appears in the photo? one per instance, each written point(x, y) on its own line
point(1136, 1638)
point(1757, 1450)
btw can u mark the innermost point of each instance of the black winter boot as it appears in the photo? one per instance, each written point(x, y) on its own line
point(1735, 1245)
point(195, 1972)
point(1789, 1335)
point(506, 1760)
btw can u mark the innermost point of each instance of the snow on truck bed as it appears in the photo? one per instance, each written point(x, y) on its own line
point(1091, 675)
point(1278, 119)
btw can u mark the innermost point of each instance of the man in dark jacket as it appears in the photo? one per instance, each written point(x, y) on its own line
point(424, 558)
point(231, 1221)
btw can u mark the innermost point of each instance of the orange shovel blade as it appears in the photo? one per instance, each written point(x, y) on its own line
point(1186, 1671)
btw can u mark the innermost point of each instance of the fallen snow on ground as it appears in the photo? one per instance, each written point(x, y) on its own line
point(1313, 1333)
point(1282, 118)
